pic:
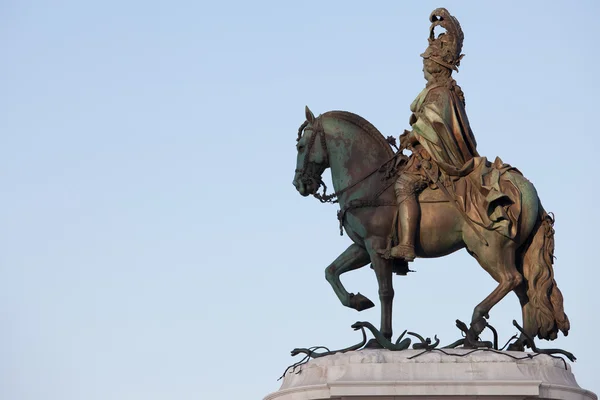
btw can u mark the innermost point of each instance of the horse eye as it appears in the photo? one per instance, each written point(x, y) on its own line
point(300, 148)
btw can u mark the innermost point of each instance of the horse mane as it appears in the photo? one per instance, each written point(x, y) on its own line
point(363, 124)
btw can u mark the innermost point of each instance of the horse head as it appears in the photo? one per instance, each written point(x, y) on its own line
point(312, 157)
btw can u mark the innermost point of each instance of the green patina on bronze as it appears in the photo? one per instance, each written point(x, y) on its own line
point(442, 198)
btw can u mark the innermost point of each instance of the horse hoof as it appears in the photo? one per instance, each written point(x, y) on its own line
point(477, 344)
point(516, 347)
point(360, 302)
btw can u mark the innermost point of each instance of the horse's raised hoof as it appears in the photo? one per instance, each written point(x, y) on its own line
point(360, 302)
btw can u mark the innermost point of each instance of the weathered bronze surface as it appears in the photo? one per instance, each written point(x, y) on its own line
point(441, 198)
point(424, 344)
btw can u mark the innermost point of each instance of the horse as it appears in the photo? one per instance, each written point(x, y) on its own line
point(355, 151)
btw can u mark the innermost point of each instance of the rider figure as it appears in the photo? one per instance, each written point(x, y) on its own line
point(441, 139)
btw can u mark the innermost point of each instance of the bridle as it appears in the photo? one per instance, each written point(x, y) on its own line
point(311, 172)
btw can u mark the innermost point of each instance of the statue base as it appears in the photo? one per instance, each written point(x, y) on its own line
point(449, 373)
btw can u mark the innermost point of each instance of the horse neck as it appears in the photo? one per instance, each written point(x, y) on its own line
point(353, 154)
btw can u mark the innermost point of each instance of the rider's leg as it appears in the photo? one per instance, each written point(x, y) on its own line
point(406, 189)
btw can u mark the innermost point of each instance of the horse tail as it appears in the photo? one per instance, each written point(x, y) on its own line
point(544, 314)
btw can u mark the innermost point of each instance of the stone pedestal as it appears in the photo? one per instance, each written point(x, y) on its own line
point(413, 374)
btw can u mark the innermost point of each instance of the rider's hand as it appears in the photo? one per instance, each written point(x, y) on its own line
point(405, 139)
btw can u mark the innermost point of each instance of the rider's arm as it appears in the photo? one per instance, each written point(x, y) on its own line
point(408, 138)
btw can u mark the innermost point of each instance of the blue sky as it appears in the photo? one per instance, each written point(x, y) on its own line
point(153, 246)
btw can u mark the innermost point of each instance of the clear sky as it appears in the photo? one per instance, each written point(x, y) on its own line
point(152, 243)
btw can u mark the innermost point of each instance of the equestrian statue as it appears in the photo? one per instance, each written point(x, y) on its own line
point(441, 198)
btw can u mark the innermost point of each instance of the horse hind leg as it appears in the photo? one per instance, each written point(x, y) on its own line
point(498, 259)
point(521, 292)
point(352, 258)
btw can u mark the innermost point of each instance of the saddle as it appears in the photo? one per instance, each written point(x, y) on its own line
point(429, 195)
point(488, 195)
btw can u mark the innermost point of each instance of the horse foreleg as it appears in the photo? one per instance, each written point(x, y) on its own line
point(383, 271)
point(352, 258)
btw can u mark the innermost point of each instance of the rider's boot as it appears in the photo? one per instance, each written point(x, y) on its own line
point(408, 219)
point(406, 188)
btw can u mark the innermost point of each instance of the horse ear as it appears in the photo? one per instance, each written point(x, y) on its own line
point(310, 117)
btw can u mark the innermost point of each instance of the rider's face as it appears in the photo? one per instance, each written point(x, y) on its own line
point(426, 73)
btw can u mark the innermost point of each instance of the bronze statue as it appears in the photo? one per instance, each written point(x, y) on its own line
point(442, 198)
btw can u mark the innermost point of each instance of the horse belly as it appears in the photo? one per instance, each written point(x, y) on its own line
point(440, 230)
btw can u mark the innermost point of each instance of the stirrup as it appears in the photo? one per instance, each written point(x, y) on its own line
point(403, 251)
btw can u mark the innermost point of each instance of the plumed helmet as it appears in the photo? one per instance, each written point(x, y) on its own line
point(445, 49)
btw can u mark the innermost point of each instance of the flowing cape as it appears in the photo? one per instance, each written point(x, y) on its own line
point(484, 190)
